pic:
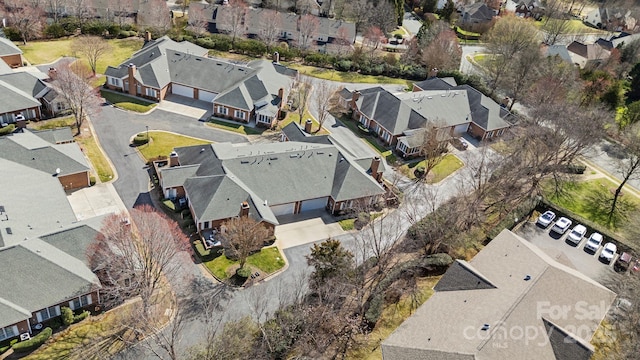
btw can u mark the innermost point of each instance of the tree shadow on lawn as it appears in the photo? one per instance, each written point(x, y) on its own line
point(597, 206)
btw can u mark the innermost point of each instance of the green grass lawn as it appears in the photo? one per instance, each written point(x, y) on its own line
point(447, 166)
point(235, 127)
point(347, 224)
point(575, 26)
point(384, 152)
point(293, 116)
point(162, 144)
point(352, 77)
point(267, 260)
point(127, 102)
point(591, 200)
point(44, 52)
point(67, 121)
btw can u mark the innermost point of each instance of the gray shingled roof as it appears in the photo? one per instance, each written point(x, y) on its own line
point(46, 159)
point(294, 132)
point(26, 82)
point(13, 99)
point(515, 277)
point(74, 241)
point(7, 47)
point(55, 136)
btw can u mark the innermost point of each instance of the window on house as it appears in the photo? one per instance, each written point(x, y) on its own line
point(114, 81)
point(206, 225)
point(139, 89)
point(223, 110)
point(239, 114)
point(8, 332)
point(152, 92)
point(80, 302)
point(59, 106)
point(48, 313)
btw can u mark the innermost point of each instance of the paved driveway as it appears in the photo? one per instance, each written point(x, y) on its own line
point(309, 227)
point(96, 200)
point(192, 108)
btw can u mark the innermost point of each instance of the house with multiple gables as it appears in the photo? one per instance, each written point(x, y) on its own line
point(265, 181)
point(395, 118)
point(288, 24)
point(593, 54)
point(503, 305)
point(10, 53)
point(611, 19)
point(252, 92)
point(42, 243)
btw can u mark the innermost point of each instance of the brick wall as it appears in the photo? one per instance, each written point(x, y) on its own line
point(75, 181)
point(13, 61)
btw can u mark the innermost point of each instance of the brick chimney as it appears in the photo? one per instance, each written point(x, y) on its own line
point(244, 209)
point(355, 95)
point(147, 36)
point(276, 57)
point(375, 165)
point(53, 73)
point(307, 126)
point(433, 73)
point(132, 79)
point(173, 159)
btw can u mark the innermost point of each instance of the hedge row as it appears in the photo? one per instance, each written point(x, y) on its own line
point(7, 129)
point(34, 342)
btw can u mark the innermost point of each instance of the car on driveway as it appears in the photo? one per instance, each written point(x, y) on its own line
point(623, 262)
point(608, 252)
point(545, 219)
point(577, 233)
point(561, 226)
point(594, 242)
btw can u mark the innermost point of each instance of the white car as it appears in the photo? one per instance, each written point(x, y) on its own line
point(594, 242)
point(546, 218)
point(577, 233)
point(561, 226)
point(608, 252)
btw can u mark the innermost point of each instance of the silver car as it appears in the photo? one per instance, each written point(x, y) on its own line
point(561, 226)
point(594, 242)
point(577, 233)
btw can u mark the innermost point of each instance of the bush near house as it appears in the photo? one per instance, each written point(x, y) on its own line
point(7, 129)
point(34, 342)
point(67, 316)
point(6, 345)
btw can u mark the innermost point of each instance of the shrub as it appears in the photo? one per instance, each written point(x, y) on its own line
point(67, 316)
point(7, 129)
point(34, 342)
point(92, 180)
point(244, 272)
point(419, 171)
point(83, 315)
point(55, 323)
point(54, 31)
point(343, 65)
point(201, 251)
point(12, 34)
point(140, 139)
point(362, 220)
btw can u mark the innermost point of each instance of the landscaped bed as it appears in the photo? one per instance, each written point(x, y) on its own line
point(235, 127)
point(162, 144)
point(127, 102)
point(447, 166)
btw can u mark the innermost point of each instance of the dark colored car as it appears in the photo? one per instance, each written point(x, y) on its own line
point(623, 262)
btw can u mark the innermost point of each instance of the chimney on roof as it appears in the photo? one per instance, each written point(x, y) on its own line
point(53, 73)
point(132, 79)
point(244, 209)
point(147, 36)
point(276, 57)
point(355, 95)
point(433, 73)
point(375, 166)
point(307, 126)
point(173, 159)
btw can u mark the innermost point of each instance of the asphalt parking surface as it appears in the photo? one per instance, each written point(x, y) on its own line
point(574, 256)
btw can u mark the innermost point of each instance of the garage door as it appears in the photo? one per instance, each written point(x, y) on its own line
point(461, 129)
point(284, 209)
point(313, 204)
point(206, 95)
point(182, 90)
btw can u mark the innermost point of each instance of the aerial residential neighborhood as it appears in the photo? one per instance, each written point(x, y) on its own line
point(319, 179)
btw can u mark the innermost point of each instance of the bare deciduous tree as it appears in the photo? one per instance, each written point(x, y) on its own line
point(91, 47)
point(271, 28)
point(300, 94)
point(373, 36)
point(156, 16)
point(241, 237)
point(72, 85)
point(308, 29)
point(234, 21)
point(26, 18)
point(629, 166)
point(443, 52)
point(132, 257)
point(324, 98)
point(433, 140)
point(198, 22)
point(522, 73)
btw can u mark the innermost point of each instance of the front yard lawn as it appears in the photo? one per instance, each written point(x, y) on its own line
point(235, 127)
point(268, 260)
point(293, 116)
point(162, 144)
point(447, 166)
point(127, 102)
point(350, 77)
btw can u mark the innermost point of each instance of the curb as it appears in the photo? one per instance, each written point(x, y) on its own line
point(97, 140)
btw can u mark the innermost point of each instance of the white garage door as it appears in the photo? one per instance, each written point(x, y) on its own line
point(206, 95)
point(284, 209)
point(182, 90)
point(313, 204)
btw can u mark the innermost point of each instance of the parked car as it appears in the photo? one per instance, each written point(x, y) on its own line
point(546, 218)
point(594, 242)
point(608, 252)
point(623, 262)
point(561, 226)
point(577, 233)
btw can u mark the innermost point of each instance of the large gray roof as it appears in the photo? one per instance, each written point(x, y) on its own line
point(55, 136)
point(26, 82)
point(503, 286)
point(74, 241)
point(13, 99)
point(7, 47)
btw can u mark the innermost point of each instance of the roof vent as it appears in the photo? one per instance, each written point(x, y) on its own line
point(9, 231)
point(485, 327)
point(265, 203)
point(527, 278)
point(202, 150)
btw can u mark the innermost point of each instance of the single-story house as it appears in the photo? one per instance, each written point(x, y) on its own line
point(63, 160)
point(25, 94)
point(289, 24)
point(476, 14)
point(10, 53)
point(221, 181)
point(511, 301)
point(581, 55)
point(434, 102)
point(244, 93)
point(42, 243)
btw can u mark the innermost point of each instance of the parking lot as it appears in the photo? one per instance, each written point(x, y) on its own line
point(574, 256)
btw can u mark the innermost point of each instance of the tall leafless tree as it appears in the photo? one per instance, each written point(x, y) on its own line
point(272, 26)
point(323, 101)
point(433, 141)
point(198, 21)
point(26, 18)
point(131, 257)
point(72, 85)
point(234, 21)
point(242, 236)
point(308, 26)
point(443, 51)
point(93, 48)
point(629, 166)
point(300, 94)
point(523, 71)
